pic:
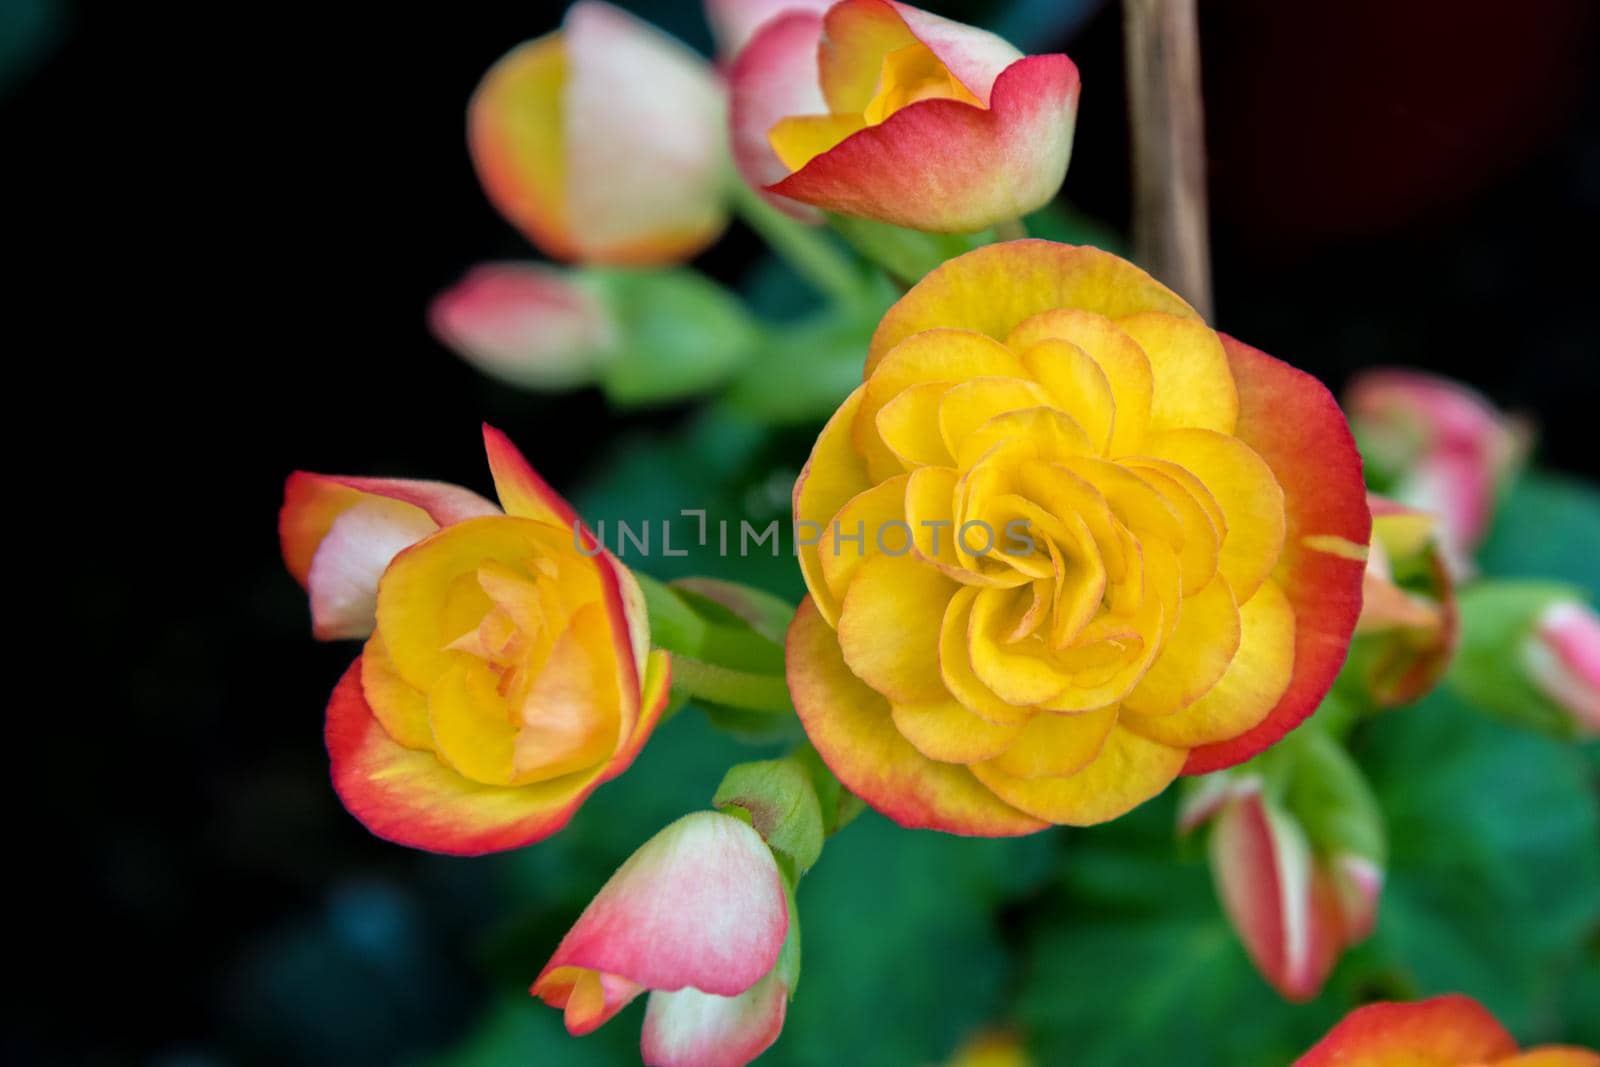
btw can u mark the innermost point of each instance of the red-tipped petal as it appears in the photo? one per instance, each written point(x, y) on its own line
point(1293, 423)
point(947, 166)
point(338, 534)
point(524, 323)
point(1282, 905)
point(1444, 1030)
point(522, 492)
point(773, 78)
point(699, 906)
point(852, 728)
point(734, 23)
point(410, 798)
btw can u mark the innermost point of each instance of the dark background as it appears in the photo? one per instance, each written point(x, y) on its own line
point(226, 223)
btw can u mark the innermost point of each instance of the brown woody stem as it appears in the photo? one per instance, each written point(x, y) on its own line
point(1168, 131)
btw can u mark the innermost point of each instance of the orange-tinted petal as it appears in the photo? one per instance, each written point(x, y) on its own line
point(851, 727)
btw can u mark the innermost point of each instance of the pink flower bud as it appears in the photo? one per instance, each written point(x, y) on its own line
point(1449, 449)
point(1562, 658)
point(697, 917)
point(525, 323)
point(1295, 910)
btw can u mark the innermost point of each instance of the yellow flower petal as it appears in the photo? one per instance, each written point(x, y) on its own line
point(1128, 770)
point(1246, 490)
point(1057, 746)
point(1247, 691)
point(949, 733)
point(900, 661)
point(1193, 386)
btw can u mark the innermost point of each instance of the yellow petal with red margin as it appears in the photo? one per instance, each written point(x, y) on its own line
point(522, 492)
point(1253, 684)
point(878, 634)
point(1444, 1031)
point(1127, 771)
point(852, 729)
point(1245, 487)
point(1289, 419)
point(1057, 746)
point(947, 166)
point(994, 288)
point(946, 731)
point(1193, 386)
point(412, 799)
point(833, 474)
point(1195, 657)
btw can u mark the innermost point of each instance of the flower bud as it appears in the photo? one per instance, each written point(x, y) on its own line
point(882, 111)
point(1437, 445)
point(699, 917)
point(604, 142)
point(1408, 625)
point(1530, 652)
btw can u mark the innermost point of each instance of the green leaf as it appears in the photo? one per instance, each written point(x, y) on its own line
point(1494, 878)
point(680, 334)
point(781, 803)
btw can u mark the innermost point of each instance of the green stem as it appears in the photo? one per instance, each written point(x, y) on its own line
point(808, 249)
point(1011, 230)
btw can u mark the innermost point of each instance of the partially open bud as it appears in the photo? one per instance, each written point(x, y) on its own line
point(699, 917)
point(1408, 625)
point(1296, 851)
point(1530, 652)
point(1436, 444)
point(525, 323)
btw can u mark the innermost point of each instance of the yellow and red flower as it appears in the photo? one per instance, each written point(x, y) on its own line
point(508, 673)
point(1196, 532)
point(604, 142)
point(698, 917)
point(1447, 1031)
point(880, 110)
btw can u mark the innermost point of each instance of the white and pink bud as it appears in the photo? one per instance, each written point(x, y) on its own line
point(698, 918)
point(528, 324)
point(1446, 448)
